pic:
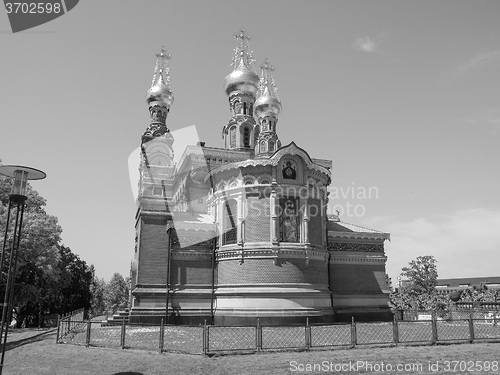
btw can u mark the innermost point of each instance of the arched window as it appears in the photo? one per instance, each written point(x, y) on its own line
point(246, 137)
point(229, 227)
point(289, 219)
point(232, 137)
point(263, 146)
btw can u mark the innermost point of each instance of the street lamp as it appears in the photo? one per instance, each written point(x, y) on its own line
point(399, 292)
point(17, 198)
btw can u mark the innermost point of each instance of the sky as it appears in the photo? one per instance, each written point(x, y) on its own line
point(402, 96)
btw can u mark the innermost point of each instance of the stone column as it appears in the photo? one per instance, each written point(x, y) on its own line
point(219, 206)
point(241, 207)
point(274, 217)
point(305, 221)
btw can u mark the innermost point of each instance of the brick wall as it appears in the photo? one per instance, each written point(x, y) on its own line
point(190, 272)
point(357, 278)
point(258, 220)
point(315, 222)
point(152, 265)
point(264, 271)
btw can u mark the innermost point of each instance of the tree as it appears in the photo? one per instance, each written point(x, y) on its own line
point(116, 293)
point(97, 289)
point(418, 291)
point(49, 277)
point(38, 254)
point(421, 274)
point(75, 282)
point(480, 293)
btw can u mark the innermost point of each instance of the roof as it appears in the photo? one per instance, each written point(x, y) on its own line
point(339, 229)
point(193, 221)
point(469, 281)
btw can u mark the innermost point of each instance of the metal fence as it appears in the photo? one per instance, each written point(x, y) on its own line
point(206, 339)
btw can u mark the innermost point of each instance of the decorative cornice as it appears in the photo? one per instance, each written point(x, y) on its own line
point(193, 255)
point(356, 247)
point(197, 227)
point(357, 259)
point(357, 235)
point(273, 253)
point(290, 149)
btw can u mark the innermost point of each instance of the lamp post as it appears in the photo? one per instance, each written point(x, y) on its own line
point(400, 295)
point(8, 260)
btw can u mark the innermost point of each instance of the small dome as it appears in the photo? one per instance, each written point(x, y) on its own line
point(160, 92)
point(241, 79)
point(267, 104)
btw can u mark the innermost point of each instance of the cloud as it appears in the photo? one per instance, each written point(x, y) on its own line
point(365, 44)
point(479, 61)
point(490, 119)
point(465, 243)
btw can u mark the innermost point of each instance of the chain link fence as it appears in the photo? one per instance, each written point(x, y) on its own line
point(419, 328)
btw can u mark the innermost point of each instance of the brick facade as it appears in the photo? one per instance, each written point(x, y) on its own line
point(152, 265)
point(265, 271)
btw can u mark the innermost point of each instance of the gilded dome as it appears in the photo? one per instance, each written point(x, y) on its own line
point(241, 79)
point(160, 92)
point(267, 104)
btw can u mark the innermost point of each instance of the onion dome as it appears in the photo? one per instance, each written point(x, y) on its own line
point(160, 86)
point(267, 102)
point(242, 78)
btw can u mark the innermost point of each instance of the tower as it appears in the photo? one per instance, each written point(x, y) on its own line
point(241, 86)
point(267, 109)
point(157, 171)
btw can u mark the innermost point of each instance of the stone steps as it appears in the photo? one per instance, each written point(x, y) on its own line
point(117, 318)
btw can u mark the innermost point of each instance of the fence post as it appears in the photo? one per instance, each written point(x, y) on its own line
point(58, 328)
point(258, 336)
point(162, 336)
point(87, 340)
point(205, 337)
point(434, 328)
point(353, 333)
point(395, 330)
point(308, 335)
point(123, 334)
point(471, 328)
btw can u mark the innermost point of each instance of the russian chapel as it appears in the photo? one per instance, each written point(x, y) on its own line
point(234, 233)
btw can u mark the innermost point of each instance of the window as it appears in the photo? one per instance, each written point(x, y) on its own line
point(232, 137)
point(229, 227)
point(246, 137)
point(289, 219)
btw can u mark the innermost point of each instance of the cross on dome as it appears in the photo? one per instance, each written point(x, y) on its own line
point(242, 52)
point(267, 84)
point(162, 69)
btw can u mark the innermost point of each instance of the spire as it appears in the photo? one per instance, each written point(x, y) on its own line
point(242, 54)
point(241, 86)
point(162, 69)
point(267, 86)
point(159, 97)
point(267, 109)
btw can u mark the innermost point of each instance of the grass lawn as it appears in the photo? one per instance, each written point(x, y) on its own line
point(42, 356)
